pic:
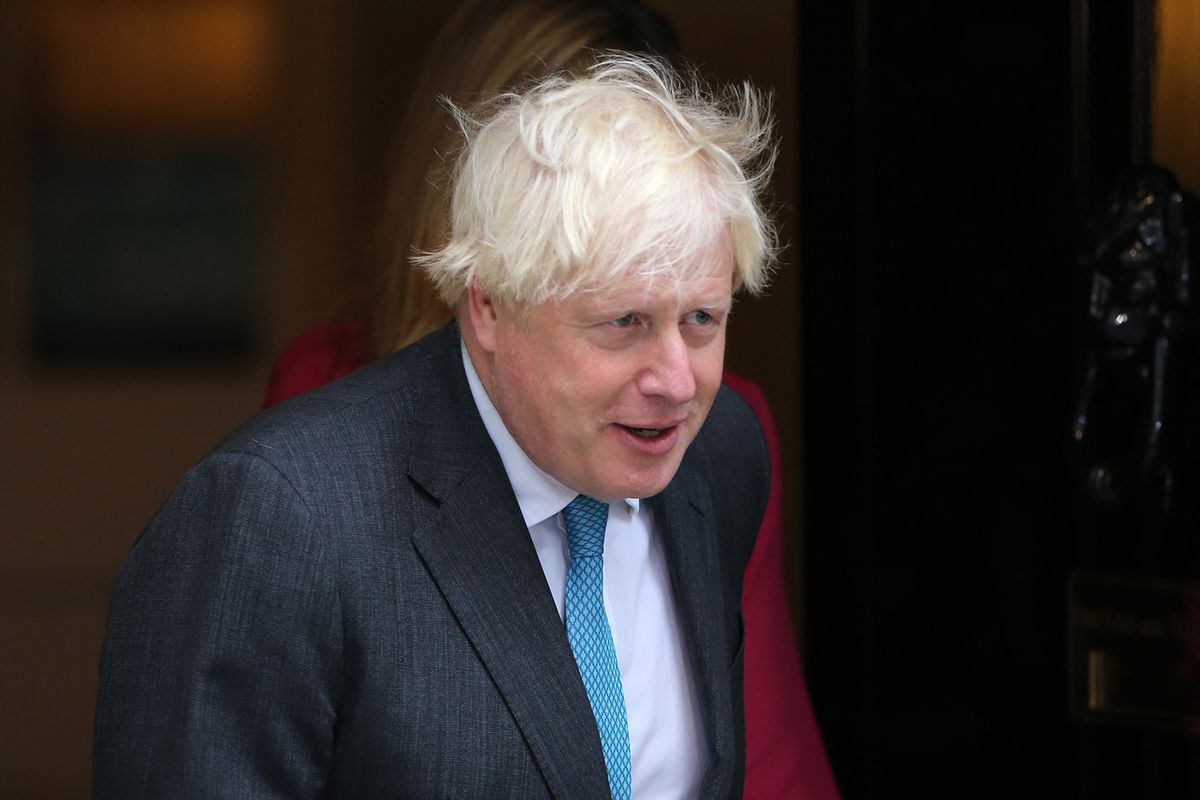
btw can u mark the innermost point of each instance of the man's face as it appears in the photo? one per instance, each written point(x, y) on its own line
point(605, 390)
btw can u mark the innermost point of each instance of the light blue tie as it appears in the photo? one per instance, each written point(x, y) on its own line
point(591, 640)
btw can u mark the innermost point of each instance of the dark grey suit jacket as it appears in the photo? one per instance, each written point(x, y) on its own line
point(342, 600)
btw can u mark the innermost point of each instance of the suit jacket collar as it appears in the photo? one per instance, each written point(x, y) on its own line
point(683, 519)
point(478, 550)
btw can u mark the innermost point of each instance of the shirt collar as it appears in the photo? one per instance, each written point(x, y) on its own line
point(539, 495)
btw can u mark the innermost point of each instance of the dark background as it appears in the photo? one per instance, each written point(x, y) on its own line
point(939, 363)
point(950, 155)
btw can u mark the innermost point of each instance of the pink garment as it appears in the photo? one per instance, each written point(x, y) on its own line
point(785, 757)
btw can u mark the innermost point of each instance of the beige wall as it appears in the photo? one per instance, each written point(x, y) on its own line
point(1176, 111)
point(88, 454)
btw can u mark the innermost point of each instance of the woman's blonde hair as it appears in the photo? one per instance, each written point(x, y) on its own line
point(487, 46)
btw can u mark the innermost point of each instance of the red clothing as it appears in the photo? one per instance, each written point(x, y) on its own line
point(316, 357)
point(785, 757)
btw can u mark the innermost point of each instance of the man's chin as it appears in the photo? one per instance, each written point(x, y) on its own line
point(646, 484)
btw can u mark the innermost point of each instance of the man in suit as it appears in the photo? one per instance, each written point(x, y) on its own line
point(505, 562)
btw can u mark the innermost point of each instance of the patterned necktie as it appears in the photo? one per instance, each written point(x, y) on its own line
point(591, 640)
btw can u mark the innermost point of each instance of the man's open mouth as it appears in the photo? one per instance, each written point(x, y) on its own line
point(647, 433)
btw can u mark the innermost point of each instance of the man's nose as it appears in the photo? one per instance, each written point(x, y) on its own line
point(668, 372)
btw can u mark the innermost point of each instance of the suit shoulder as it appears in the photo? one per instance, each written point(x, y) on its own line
point(732, 434)
point(372, 403)
point(731, 457)
point(354, 435)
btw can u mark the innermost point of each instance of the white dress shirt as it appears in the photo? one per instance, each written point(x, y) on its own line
point(666, 735)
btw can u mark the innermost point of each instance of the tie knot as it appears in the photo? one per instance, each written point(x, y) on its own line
point(585, 519)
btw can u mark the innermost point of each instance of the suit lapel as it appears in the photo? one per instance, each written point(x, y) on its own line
point(480, 554)
point(683, 518)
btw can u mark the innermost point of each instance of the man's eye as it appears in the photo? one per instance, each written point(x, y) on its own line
point(623, 322)
point(699, 318)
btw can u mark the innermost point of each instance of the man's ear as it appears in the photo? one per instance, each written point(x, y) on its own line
point(482, 316)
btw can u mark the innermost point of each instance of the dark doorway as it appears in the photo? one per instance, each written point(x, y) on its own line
point(945, 178)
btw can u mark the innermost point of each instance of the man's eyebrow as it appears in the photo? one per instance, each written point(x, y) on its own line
point(724, 304)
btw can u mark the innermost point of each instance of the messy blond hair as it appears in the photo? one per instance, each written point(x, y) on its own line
point(628, 169)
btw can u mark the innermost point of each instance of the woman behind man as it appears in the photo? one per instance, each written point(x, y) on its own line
point(484, 48)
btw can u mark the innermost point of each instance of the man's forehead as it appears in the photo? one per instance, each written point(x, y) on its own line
point(715, 287)
point(663, 278)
